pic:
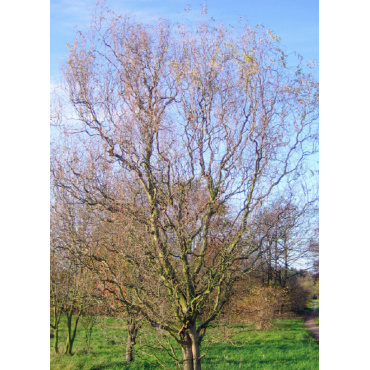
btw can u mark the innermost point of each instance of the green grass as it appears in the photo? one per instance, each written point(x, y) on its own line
point(317, 309)
point(286, 346)
point(312, 302)
point(310, 308)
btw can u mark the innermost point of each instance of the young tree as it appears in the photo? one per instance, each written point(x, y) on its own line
point(79, 230)
point(179, 135)
point(72, 286)
point(58, 293)
point(67, 297)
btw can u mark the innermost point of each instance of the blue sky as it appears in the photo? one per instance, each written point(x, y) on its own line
point(295, 21)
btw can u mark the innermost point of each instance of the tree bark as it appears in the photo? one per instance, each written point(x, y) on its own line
point(191, 351)
point(131, 339)
point(71, 333)
point(56, 339)
point(286, 264)
point(129, 350)
point(55, 328)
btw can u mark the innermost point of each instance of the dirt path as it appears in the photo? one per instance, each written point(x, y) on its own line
point(310, 324)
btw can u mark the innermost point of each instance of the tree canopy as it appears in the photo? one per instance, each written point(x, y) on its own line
point(173, 139)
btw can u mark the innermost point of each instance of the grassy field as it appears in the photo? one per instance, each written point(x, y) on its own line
point(286, 346)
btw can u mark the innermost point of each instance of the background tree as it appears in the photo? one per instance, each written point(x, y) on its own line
point(59, 283)
point(288, 226)
point(81, 230)
point(73, 287)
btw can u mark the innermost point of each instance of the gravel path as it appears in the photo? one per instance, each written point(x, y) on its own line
point(310, 324)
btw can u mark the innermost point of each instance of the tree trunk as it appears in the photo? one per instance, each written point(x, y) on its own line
point(56, 339)
point(276, 260)
point(55, 328)
point(71, 333)
point(69, 342)
point(129, 349)
point(263, 271)
point(131, 339)
point(269, 271)
point(286, 264)
point(191, 351)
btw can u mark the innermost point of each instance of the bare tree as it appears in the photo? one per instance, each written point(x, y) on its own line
point(286, 228)
point(59, 282)
point(179, 136)
point(73, 287)
point(67, 297)
point(78, 230)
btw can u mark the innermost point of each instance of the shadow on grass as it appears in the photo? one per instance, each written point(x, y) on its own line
point(123, 365)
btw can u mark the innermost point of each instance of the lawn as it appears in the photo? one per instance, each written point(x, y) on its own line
point(286, 346)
